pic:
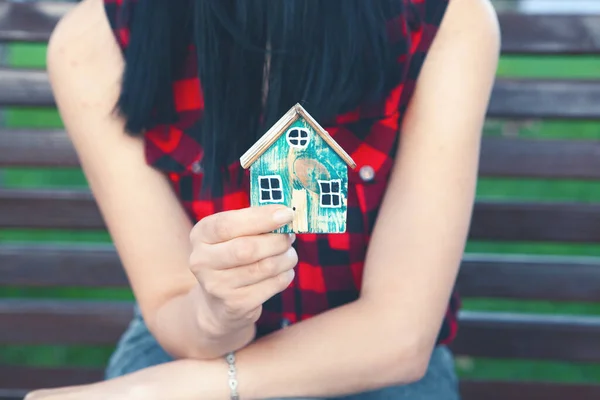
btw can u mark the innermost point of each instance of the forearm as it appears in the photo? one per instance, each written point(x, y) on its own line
point(176, 326)
point(347, 350)
point(351, 349)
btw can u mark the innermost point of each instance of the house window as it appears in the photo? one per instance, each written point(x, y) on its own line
point(298, 137)
point(271, 190)
point(331, 194)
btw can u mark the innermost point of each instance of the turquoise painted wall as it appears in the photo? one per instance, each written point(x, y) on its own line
point(301, 169)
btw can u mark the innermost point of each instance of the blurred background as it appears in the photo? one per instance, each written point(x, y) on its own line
point(531, 277)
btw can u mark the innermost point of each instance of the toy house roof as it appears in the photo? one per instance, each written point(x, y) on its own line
point(269, 138)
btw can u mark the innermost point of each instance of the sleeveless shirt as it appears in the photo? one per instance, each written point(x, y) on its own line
point(330, 267)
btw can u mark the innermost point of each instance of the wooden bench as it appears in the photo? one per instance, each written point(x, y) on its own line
point(482, 334)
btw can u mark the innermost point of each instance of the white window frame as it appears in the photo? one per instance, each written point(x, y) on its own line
point(299, 138)
point(270, 190)
point(330, 193)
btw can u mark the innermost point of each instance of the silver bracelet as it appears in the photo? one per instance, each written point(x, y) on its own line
point(233, 382)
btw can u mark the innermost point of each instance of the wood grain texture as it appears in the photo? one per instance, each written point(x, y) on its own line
point(301, 169)
point(267, 140)
point(30, 21)
point(481, 275)
point(528, 336)
point(500, 157)
point(300, 207)
point(511, 98)
point(61, 265)
point(536, 221)
point(492, 220)
point(56, 322)
point(295, 113)
point(514, 390)
point(325, 136)
point(19, 87)
point(553, 278)
point(22, 378)
point(12, 394)
point(545, 98)
point(50, 209)
point(521, 33)
point(36, 148)
point(540, 158)
point(550, 34)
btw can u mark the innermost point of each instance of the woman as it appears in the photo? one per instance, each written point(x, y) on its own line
point(161, 99)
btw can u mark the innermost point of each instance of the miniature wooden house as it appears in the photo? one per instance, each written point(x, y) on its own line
point(298, 164)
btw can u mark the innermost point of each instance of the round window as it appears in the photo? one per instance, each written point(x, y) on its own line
point(298, 137)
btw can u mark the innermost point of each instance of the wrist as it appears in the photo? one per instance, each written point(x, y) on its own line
point(231, 341)
point(215, 333)
point(181, 379)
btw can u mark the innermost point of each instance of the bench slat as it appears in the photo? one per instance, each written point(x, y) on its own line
point(549, 34)
point(500, 157)
point(511, 98)
point(481, 275)
point(9, 394)
point(63, 322)
point(540, 158)
point(528, 336)
point(36, 148)
point(27, 378)
point(535, 221)
point(32, 21)
point(530, 277)
point(549, 99)
point(512, 221)
point(502, 390)
point(46, 265)
point(20, 87)
point(49, 209)
point(522, 33)
point(513, 335)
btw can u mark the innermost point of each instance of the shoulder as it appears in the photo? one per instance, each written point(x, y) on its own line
point(87, 23)
point(461, 64)
point(83, 48)
point(448, 18)
point(467, 35)
point(446, 36)
point(470, 21)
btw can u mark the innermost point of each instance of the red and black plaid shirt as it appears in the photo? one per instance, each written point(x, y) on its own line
point(330, 269)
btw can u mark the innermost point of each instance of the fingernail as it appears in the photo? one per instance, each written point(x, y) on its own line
point(283, 216)
point(291, 275)
point(292, 237)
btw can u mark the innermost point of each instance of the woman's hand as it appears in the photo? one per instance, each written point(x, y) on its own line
point(178, 380)
point(240, 264)
point(113, 390)
point(74, 393)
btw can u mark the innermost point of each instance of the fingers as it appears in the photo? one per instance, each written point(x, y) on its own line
point(246, 318)
point(239, 263)
point(224, 284)
point(225, 226)
point(245, 250)
point(262, 270)
point(243, 290)
point(256, 295)
point(64, 393)
point(243, 302)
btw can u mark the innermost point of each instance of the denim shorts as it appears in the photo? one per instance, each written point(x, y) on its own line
point(138, 349)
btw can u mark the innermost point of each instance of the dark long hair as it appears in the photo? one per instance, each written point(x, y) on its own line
point(329, 55)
